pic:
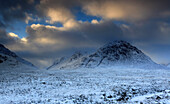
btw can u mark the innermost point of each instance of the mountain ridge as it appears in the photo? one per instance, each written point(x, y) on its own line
point(116, 53)
point(9, 58)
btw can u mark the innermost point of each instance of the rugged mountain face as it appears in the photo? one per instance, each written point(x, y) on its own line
point(118, 53)
point(57, 62)
point(113, 54)
point(68, 62)
point(9, 59)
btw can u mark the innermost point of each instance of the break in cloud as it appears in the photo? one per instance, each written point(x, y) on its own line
point(145, 23)
point(58, 11)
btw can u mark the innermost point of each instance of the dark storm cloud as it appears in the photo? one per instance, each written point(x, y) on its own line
point(82, 35)
point(108, 9)
point(11, 10)
point(2, 25)
point(128, 10)
point(148, 32)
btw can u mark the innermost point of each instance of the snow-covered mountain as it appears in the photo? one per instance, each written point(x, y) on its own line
point(9, 60)
point(112, 54)
point(57, 62)
point(69, 62)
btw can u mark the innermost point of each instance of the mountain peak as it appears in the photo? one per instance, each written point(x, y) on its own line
point(118, 53)
point(118, 48)
point(113, 54)
point(117, 42)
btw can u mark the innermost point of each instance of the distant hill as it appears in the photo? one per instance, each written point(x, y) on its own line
point(112, 54)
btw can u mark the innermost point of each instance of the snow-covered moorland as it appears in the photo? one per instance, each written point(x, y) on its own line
point(113, 85)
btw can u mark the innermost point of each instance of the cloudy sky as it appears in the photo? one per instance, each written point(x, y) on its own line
point(42, 30)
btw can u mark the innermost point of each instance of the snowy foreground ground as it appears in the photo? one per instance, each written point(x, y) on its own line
point(85, 86)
